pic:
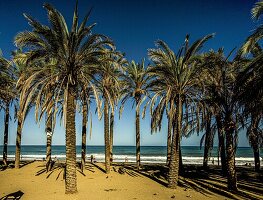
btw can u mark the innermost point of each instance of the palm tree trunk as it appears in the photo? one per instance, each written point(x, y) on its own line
point(84, 134)
point(106, 136)
point(181, 166)
point(71, 176)
point(174, 163)
point(221, 143)
point(254, 134)
point(138, 146)
point(231, 168)
point(49, 142)
point(208, 138)
point(18, 139)
point(256, 158)
point(169, 140)
point(111, 136)
point(6, 134)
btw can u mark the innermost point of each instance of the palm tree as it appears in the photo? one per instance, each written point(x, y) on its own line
point(181, 72)
point(49, 129)
point(108, 83)
point(75, 56)
point(213, 62)
point(223, 76)
point(251, 89)
point(250, 93)
point(7, 95)
point(15, 69)
point(159, 88)
point(85, 99)
point(208, 138)
point(135, 87)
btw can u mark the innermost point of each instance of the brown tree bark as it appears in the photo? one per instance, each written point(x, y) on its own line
point(84, 134)
point(18, 139)
point(111, 136)
point(256, 158)
point(49, 142)
point(221, 143)
point(169, 140)
point(181, 166)
point(106, 136)
point(6, 134)
point(254, 140)
point(208, 138)
point(231, 168)
point(138, 143)
point(71, 176)
point(174, 163)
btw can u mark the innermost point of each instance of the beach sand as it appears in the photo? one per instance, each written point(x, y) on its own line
point(95, 185)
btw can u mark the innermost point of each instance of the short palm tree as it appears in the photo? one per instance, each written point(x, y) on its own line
point(75, 56)
point(182, 73)
point(135, 83)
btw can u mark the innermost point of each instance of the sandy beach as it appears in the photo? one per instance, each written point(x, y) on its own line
point(94, 185)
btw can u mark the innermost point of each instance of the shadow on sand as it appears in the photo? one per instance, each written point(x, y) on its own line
point(11, 164)
point(206, 181)
point(14, 195)
point(59, 167)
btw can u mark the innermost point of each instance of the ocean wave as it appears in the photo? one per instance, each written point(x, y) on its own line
point(132, 158)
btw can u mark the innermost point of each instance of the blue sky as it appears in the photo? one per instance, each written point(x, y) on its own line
point(134, 25)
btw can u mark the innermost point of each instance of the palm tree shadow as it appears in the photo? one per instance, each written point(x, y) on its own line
point(98, 167)
point(90, 167)
point(11, 164)
point(55, 166)
point(14, 195)
point(148, 171)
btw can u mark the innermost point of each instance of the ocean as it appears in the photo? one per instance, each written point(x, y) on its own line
point(149, 154)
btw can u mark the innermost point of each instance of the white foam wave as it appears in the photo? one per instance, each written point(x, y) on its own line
point(132, 158)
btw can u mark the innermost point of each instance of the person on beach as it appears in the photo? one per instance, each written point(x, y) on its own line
point(91, 158)
point(111, 157)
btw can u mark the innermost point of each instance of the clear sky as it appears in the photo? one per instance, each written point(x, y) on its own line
point(134, 25)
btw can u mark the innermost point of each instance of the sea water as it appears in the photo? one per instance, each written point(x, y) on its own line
point(149, 154)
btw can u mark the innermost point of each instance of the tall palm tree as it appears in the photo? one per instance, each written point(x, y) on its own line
point(86, 94)
point(75, 57)
point(213, 62)
point(108, 83)
point(208, 139)
point(251, 89)
point(181, 72)
point(250, 97)
point(135, 87)
point(158, 87)
point(16, 68)
point(223, 76)
point(7, 95)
